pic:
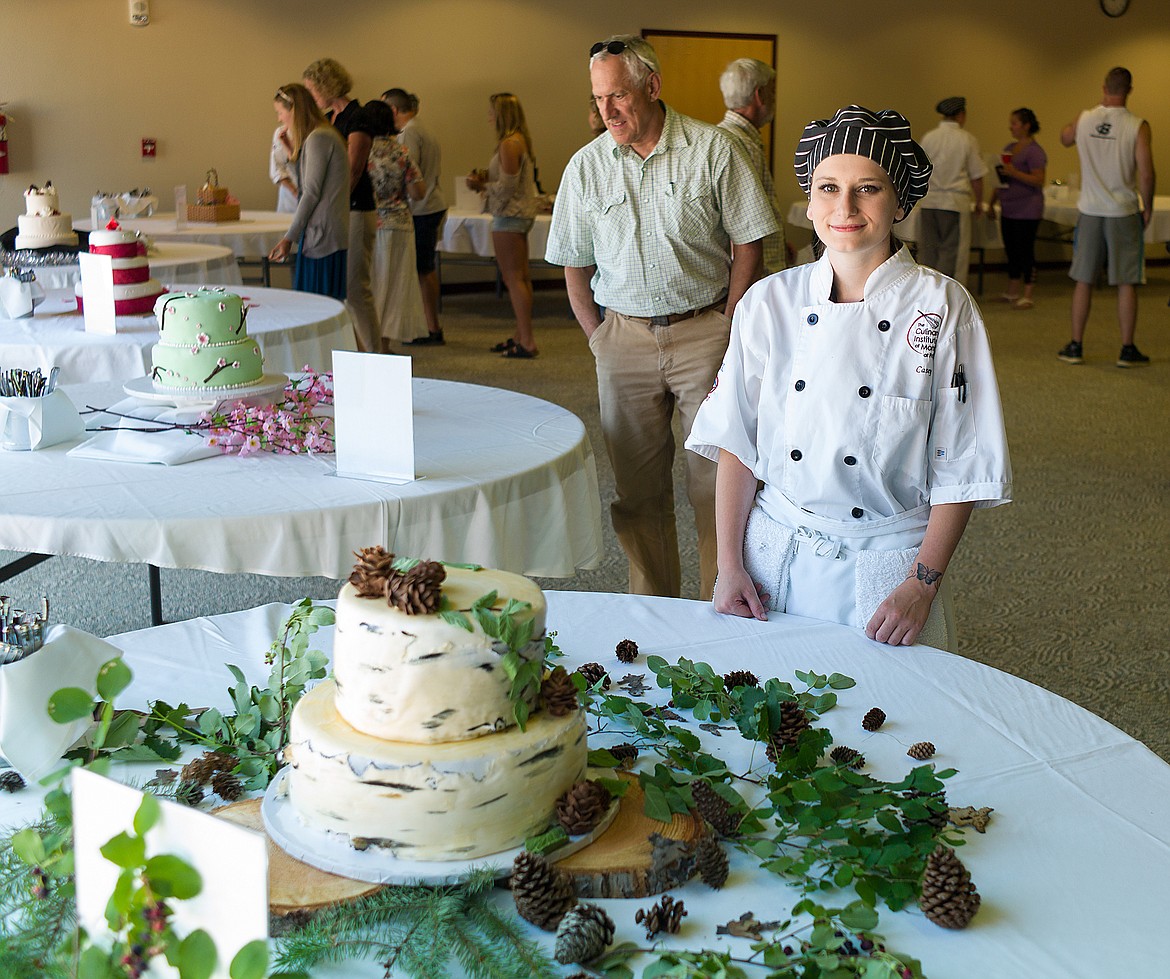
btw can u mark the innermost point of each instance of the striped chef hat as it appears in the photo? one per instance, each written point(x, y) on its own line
point(883, 137)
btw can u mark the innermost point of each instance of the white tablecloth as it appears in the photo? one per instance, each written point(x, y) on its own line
point(1072, 869)
point(171, 262)
point(470, 232)
point(505, 480)
point(251, 238)
point(1061, 208)
point(292, 328)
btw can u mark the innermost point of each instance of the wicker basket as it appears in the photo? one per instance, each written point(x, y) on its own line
point(213, 213)
point(211, 193)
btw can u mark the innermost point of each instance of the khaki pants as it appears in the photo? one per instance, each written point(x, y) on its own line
point(359, 298)
point(643, 373)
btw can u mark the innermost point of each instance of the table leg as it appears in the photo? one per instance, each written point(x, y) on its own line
point(22, 564)
point(156, 616)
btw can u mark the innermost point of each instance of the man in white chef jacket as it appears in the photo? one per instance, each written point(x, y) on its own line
point(863, 412)
point(956, 190)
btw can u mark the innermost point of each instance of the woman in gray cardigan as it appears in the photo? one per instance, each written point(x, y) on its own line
point(320, 226)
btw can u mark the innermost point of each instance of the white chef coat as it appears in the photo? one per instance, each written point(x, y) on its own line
point(853, 415)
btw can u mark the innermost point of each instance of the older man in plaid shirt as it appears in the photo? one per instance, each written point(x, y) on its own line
point(645, 220)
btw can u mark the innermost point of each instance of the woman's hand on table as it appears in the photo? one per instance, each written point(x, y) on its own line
point(280, 252)
point(900, 618)
point(737, 594)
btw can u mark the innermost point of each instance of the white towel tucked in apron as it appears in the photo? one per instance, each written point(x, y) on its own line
point(830, 569)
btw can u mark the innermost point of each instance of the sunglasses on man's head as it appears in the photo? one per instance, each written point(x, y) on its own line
point(612, 47)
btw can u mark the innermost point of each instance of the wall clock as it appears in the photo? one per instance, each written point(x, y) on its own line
point(1114, 8)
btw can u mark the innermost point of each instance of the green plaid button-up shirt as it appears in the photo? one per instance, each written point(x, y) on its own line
point(658, 230)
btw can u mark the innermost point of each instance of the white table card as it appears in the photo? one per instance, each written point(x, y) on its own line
point(97, 293)
point(232, 862)
point(180, 206)
point(373, 416)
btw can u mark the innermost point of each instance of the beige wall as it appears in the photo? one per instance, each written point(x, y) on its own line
point(83, 86)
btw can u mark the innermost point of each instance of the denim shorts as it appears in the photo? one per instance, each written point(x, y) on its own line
point(520, 226)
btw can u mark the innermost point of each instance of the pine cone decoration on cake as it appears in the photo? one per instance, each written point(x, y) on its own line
point(948, 897)
point(740, 678)
point(200, 770)
point(374, 565)
point(582, 807)
point(417, 591)
point(227, 786)
point(627, 650)
point(542, 892)
point(594, 672)
point(844, 755)
point(874, 718)
point(711, 860)
point(558, 693)
point(583, 934)
point(714, 808)
point(793, 723)
point(921, 750)
point(10, 781)
point(666, 915)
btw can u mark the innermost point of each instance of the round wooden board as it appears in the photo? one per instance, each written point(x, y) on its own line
point(619, 863)
point(292, 885)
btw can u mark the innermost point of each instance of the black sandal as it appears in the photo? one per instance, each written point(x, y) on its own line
point(503, 348)
point(518, 352)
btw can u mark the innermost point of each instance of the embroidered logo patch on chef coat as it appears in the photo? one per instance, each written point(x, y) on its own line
point(923, 333)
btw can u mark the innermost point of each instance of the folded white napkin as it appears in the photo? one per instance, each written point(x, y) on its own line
point(30, 739)
point(161, 446)
point(36, 423)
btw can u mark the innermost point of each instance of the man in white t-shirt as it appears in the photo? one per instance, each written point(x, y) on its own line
point(1117, 166)
point(944, 222)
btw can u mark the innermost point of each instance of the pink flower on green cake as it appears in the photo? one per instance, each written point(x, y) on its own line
point(202, 339)
point(235, 363)
point(221, 362)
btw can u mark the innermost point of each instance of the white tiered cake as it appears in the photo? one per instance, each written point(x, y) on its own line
point(43, 225)
point(413, 745)
point(134, 290)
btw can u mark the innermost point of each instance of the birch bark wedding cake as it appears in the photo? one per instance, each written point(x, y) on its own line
point(414, 744)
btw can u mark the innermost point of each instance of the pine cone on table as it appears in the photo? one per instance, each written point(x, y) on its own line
point(200, 770)
point(582, 807)
point(417, 591)
point(794, 721)
point(583, 934)
point(542, 892)
point(594, 672)
point(844, 755)
point(10, 781)
point(874, 718)
point(714, 808)
point(227, 786)
point(921, 750)
point(558, 693)
point(711, 860)
point(948, 897)
point(373, 567)
point(626, 650)
point(625, 753)
point(666, 915)
point(740, 678)
point(938, 810)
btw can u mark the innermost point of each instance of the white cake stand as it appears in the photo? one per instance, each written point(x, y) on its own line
point(331, 852)
point(260, 393)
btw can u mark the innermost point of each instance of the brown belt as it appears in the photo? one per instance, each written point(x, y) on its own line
point(671, 318)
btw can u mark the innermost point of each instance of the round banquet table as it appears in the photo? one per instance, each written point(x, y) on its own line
point(251, 238)
point(171, 262)
point(470, 233)
point(292, 328)
point(1078, 846)
point(504, 480)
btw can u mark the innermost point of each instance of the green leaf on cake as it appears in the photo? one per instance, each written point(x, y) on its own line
point(454, 618)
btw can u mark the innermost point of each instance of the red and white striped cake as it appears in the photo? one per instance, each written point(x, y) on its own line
point(134, 290)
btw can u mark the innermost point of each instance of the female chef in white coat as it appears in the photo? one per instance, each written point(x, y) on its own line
point(856, 419)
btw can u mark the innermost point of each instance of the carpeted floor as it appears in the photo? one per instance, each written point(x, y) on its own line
point(1066, 587)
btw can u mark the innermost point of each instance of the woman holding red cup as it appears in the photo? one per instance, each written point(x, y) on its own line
point(1021, 199)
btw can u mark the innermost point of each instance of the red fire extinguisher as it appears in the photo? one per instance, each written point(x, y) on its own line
point(3, 143)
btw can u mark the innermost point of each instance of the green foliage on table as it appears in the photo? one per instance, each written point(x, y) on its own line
point(820, 825)
point(837, 943)
point(417, 931)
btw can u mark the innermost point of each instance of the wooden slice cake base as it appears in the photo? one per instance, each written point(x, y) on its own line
point(621, 863)
point(292, 885)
